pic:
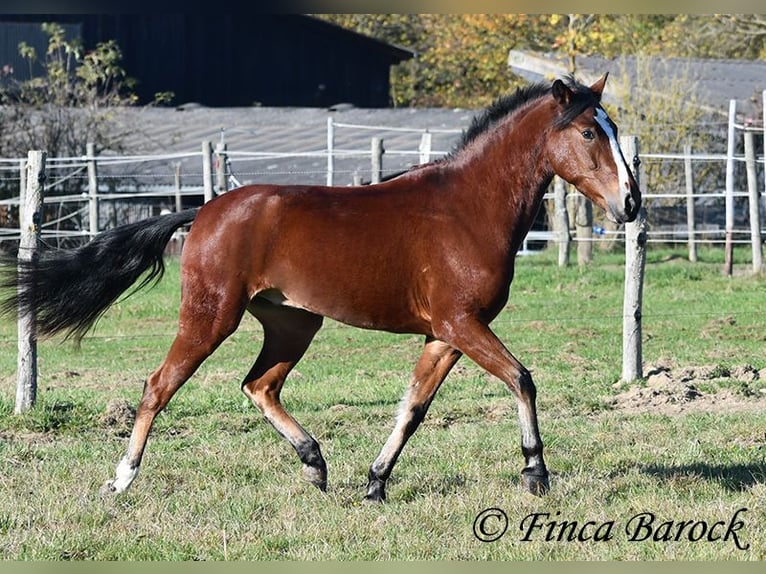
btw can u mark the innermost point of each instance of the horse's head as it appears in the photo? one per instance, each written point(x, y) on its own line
point(584, 150)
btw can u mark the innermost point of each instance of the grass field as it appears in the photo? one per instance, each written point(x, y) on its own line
point(633, 466)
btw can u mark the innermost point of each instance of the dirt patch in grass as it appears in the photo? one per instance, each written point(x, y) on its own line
point(119, 416)
point(671, 389)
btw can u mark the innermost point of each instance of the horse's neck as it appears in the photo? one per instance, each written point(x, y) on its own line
point(509, 173)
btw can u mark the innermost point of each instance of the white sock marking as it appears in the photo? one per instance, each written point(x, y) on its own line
point(124, 476)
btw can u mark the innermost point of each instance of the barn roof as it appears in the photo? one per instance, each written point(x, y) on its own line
point(288, 144)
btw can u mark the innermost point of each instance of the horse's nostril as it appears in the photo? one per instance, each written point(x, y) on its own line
point(630, 205)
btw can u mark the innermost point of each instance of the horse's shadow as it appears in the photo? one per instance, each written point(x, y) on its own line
point(733, 477)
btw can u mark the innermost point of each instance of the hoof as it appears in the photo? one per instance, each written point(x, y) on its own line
point(373, 500)
point(376, 492)
point(108, 489)
point(536, 484)
point(316, 476)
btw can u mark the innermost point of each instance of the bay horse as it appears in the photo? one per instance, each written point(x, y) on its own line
point(429, 252)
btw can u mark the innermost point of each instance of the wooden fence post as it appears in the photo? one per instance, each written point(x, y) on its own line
point(221, 185)
point(754, 201)
point(561, 220)
point(730, 150)
point(424, 149)
point(207, 169)
point(30, 221)
point(690, 216)
point(330, 149)
point(177, 178)
point(635, 262)
point(93, 223)
point(377, 151)
point(22, 185)
point(584, 229)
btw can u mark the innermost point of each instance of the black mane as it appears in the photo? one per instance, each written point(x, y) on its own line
point(505, 105)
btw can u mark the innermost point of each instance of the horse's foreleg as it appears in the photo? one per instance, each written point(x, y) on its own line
point(287, 334)
point(481, 345)
point(435, 363)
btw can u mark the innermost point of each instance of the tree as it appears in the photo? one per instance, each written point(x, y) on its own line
point(70, 104)
point(746, 34)
point(715, 36)
point(461, 59)
point(576, 26)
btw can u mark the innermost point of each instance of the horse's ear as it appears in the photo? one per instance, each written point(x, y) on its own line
point(598, 87)
point(561, 93)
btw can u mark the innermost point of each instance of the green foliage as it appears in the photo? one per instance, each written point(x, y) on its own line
point(461, 59)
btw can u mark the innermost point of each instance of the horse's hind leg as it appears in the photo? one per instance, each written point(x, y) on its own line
point(287, 334)
point(202, 328)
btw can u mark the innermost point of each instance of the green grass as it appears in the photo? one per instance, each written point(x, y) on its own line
point(217, 482)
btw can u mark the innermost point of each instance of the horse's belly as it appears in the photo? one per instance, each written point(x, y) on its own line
point(393, 314)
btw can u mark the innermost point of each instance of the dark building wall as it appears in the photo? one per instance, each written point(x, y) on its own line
point(234, 60)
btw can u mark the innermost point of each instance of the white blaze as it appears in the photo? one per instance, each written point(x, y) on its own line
point(622, 170)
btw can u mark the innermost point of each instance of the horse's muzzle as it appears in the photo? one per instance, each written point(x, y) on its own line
point(626, 210)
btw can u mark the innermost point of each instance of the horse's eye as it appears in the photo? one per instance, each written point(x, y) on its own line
point(588, 134)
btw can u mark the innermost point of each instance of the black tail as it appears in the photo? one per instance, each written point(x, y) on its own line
point(70, 289)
